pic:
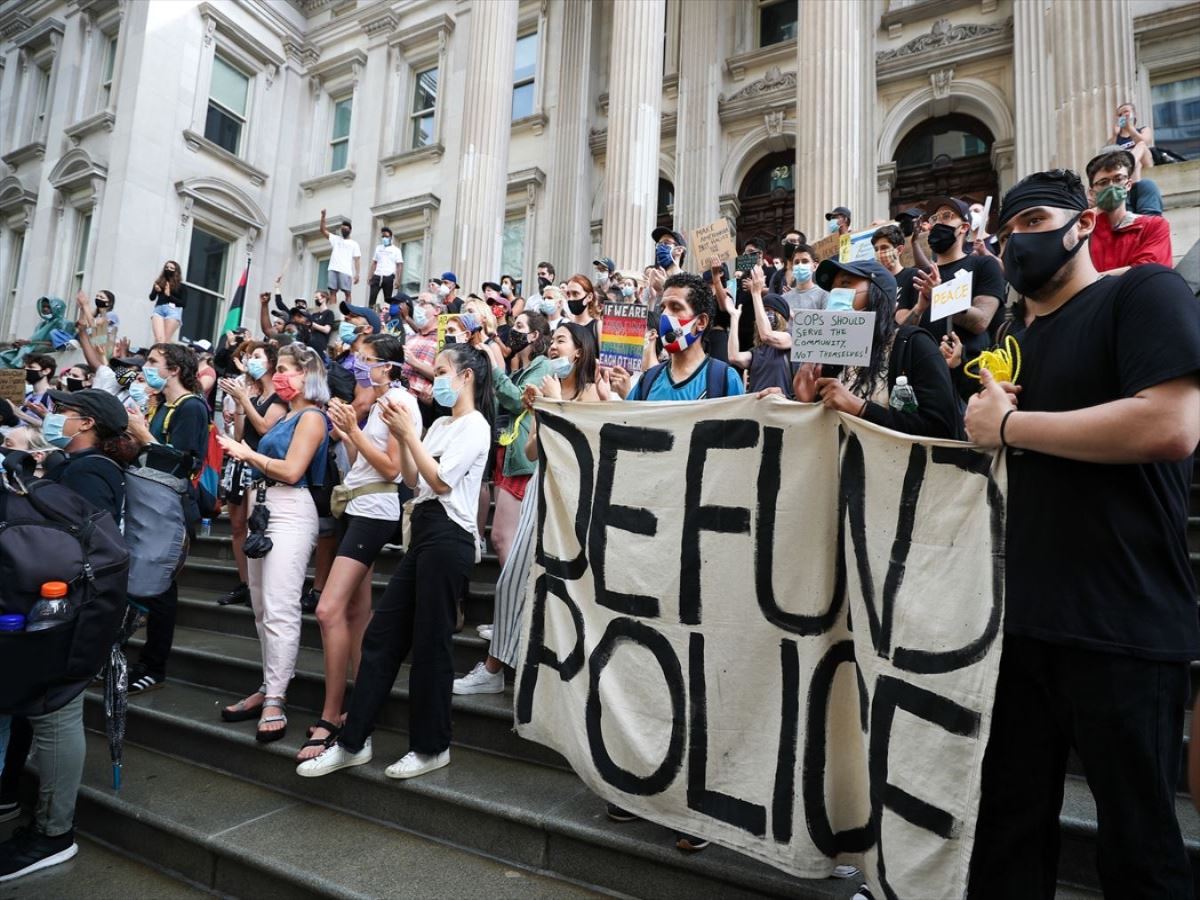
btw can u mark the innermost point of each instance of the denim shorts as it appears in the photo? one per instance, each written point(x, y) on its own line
point(340, 281)
point(169, 311)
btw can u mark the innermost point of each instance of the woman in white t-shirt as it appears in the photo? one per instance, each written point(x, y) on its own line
point(372, 496)
point(418, 609)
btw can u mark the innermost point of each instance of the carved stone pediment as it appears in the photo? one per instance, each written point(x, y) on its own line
point(943, 34)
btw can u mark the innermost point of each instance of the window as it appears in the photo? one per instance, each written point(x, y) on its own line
point(524, 71)
point(413, 274)
point(41, 100)
point(81, 244)
point(106, 72)
point(205, 278)
point(424, 108)
point(664, 209)
point(1177, 117)
point(339, 143)
point(226, 106)
point(322, 274)
point(776, 21)
point(940, 142)
point(512, 250)
point(14, 269)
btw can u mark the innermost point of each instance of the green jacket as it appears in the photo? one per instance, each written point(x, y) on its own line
point(508, 397)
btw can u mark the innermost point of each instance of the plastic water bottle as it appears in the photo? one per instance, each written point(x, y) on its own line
point(206, 528)
point(903, 398)
point(12, 622)
point(53, 608)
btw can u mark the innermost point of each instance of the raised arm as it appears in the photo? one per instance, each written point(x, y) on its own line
point(324, 229)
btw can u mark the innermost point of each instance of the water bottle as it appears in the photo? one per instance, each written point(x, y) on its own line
point(903, 398)
point(206, 528)
point(53, 608)
point(12, 622)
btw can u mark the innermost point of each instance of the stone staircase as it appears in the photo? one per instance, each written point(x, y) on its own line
point(204, 803)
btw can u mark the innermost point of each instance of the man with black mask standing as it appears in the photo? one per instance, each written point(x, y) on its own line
point(1100, 620)
point(344, 259)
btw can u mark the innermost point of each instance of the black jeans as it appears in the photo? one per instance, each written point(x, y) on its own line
point(417, 614)
point(1123, 716)
point(378, 283)
point(160, 631)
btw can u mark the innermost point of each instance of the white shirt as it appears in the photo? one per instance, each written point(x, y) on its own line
point(379, 506)
point(460, 446)
point(345, 251)
point(386, 259)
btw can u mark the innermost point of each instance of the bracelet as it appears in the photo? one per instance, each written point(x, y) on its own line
point(1003, 422)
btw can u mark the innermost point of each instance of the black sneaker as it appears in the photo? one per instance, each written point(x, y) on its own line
point(620, 815)
point(239, 595)
point(690, 844)
point(309, 600)
point(29, 851)
point(9, 810)
point(141, 681)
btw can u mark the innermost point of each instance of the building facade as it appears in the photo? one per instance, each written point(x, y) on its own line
point(491, 134)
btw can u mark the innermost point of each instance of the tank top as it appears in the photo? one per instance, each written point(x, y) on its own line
point(261, 405)
point(278, 439)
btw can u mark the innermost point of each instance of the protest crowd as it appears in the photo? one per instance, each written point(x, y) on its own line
point(328, 428)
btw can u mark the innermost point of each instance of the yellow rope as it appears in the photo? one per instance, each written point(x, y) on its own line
point(1004, 362)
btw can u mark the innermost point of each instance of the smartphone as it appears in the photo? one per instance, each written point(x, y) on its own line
point(746, 262)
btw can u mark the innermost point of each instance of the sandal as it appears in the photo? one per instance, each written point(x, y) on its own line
point(240, 712)
point(266, 736)
point(325, 742)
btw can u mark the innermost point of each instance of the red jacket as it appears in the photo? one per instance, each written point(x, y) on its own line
point(1145, 240)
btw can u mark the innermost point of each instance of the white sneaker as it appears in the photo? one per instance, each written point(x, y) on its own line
point(413, 764)
point(333, 758)
point(845, 871)
point(480, 681)
point(485, 631)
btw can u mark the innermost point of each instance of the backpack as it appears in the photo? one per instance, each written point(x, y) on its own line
point(716, 376)
point(206, 469)
point(51, 533)
point(341, 382)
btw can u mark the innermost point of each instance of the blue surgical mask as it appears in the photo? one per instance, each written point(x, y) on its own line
point(138, 394)
point(52, 430)
point(256, 368)
point(347, 332)
point(420, 317)
point(662, 255)
point(560, 366)
point(831, 226)
point(841, 299)
point(386, 241)
point(444, 392)
point(803, 273)
point(549, 307)
point(154, 380)
point(731, 287)
point(627, 290)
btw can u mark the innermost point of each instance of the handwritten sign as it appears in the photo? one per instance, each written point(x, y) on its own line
point(838, 337)
point(713, 240)
point(827, 247)
point(12, 385)
point(623, 336)
point(951, 296)
point(443, 321)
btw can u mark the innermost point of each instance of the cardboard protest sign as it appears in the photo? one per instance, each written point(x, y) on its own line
point(951, 296)
point(733, 630)
point(827, 247)
point(715, 240)
point(623, 335)
point(838, 337)
point(12, 385)
point(443, 321)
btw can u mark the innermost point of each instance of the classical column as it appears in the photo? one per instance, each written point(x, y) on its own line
point(698, 131)
point(1034, 81)
point(483, 155)
point(835, 102)
point(569, 190)
point(631, 155)
point(1091, 77)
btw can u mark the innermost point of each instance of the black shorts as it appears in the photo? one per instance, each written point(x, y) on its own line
point(361, 539)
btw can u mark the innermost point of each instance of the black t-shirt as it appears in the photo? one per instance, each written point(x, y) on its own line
point(188, 429)
point(906, 291)
point(319, 340)
point(988, 281)
point(1097, 554)
point(95, 478)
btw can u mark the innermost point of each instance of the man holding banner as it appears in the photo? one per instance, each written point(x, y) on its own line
point(1100, 619)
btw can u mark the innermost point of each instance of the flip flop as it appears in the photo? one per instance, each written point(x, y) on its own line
point(240, 712)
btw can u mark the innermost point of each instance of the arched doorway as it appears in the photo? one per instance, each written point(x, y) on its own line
point(767, 199)
point(949, 155)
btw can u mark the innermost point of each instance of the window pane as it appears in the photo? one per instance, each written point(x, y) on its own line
point(525, 60)
point(340, 152)
point(229, 86)
point(205, 270)
point(14, 264)
point(322, 274)
point(341, 118)
point(522, 102)
point(1177, 116)
point(425, 96)
point(222, 129)
point(422, 134)
point(85, 228)
point(414, 266)
point(110, 56)
point(777, 23)
point(512, 252)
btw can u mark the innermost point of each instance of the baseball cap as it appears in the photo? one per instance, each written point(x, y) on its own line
point(860, 268)
point(451, 277)
point(936, 203)
point(362, 312)
point(96, 404)
point(490, 284)
point(606, 263)
point(838, 211)
point(777, 303)
point(662, 231)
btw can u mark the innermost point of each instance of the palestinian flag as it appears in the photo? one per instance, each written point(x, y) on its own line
point(233, 318)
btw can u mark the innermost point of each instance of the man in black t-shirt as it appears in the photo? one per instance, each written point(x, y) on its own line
point(975, 327)
point(320, 324)
point(1100, 619)
point(888, 242)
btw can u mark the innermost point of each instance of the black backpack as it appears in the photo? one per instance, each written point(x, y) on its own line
point(716, 386)
point(53, 534)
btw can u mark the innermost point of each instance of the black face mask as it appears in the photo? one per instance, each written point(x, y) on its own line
point(942, 237)
point(74, 384)
point(345, 232)
point(1031, 260)
point(517, 341)
point(33, 376)
point(543, 283)
point(577, 307)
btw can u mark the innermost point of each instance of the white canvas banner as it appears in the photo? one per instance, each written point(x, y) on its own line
point(764, 624)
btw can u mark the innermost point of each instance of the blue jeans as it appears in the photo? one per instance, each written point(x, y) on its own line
point(169, 311)
point(1146, 198)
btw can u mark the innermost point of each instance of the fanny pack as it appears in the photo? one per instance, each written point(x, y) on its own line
point(342, 495)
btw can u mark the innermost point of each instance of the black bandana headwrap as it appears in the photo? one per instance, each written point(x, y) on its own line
point(1060, 189)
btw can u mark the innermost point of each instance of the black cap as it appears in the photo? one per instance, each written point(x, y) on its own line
point(838, 211)
point(490, 284)
point(935, 203)
point(913, 212)
point(363, 312)
point(105, 408)
point(777, 303)
point(860, 268)
point(129, 362)
point(662, 231)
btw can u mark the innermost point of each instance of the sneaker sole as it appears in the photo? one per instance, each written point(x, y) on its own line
point(478, 689)
point(329, 771)
point(147, 690)
point(404, 776)
point(626, 817)
point(61, 857)
point(688, 847)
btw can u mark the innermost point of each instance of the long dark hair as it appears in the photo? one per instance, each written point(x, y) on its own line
point(866, 378)
point(464, 356)
point(539, 323)
point(585, 339)
point(176, 277)
point(390, 348)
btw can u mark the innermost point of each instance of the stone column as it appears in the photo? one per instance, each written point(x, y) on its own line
point(1091, 77)
point(634, 108)
point(835, 103)
point(698, 132)
point(569, 189)
point(483, 154)
point(1034, 82)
